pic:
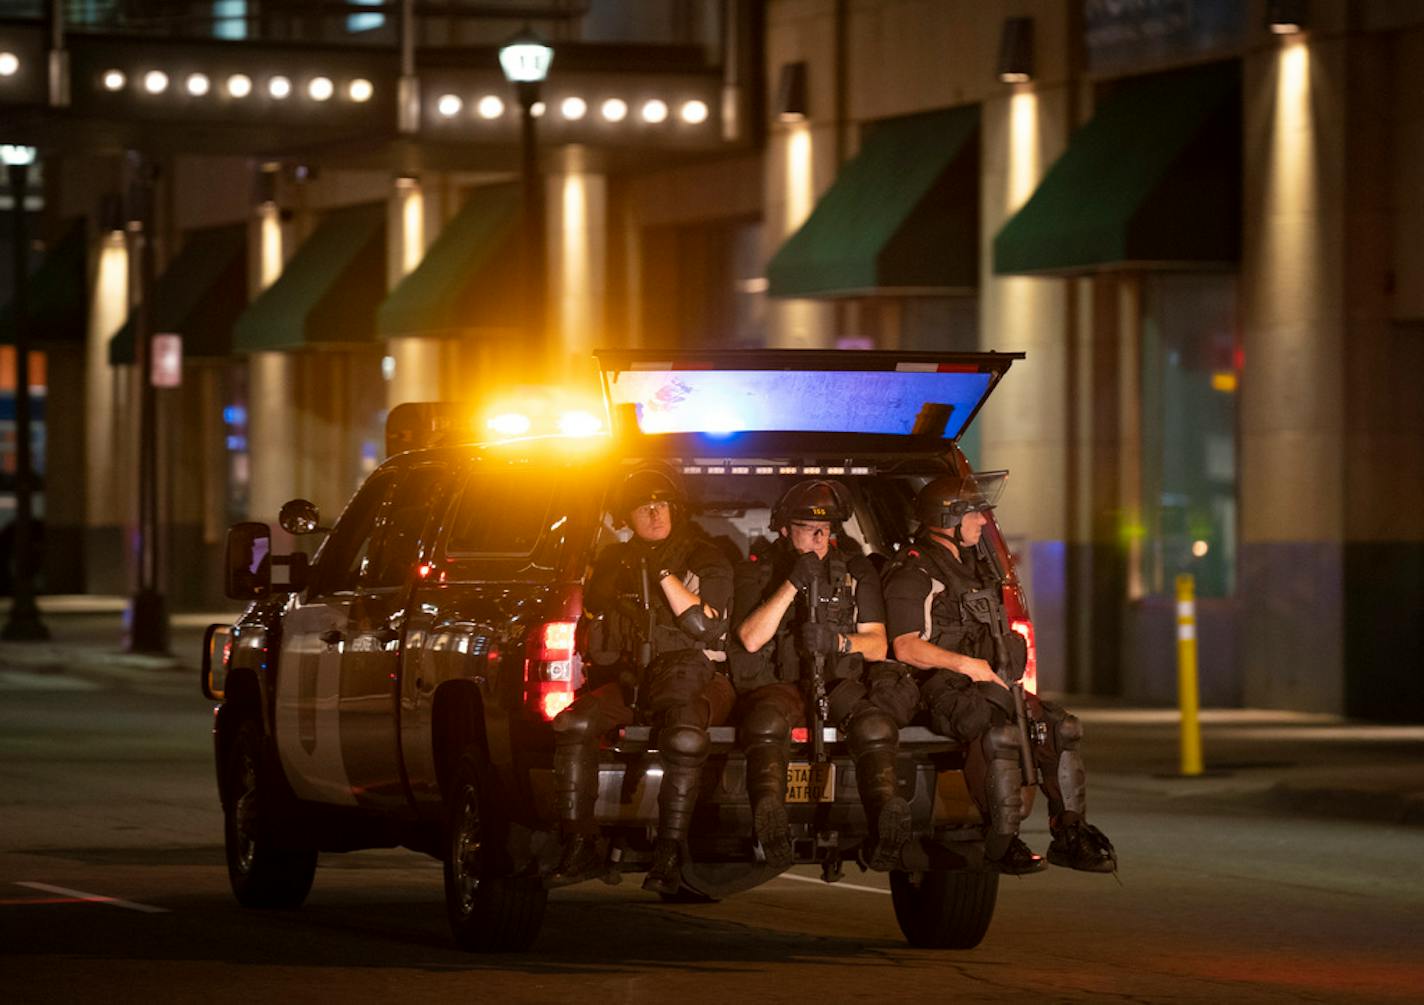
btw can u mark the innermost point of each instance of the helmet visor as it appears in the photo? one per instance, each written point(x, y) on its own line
point(982, 490)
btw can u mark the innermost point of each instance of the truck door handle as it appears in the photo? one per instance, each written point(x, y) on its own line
point(332, 637)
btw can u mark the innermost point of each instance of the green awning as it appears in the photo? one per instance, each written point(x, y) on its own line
point(902, 217)
point(199, 296)
point(469, 276)
point(328, 293)
point(1153, 180)
point(58, 293)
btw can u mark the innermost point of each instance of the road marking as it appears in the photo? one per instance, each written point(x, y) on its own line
point(834, 886)
point(95, 898)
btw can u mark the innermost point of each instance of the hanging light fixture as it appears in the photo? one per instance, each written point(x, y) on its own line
point(791, 93)
point(1286, 17)
point(1016, 50)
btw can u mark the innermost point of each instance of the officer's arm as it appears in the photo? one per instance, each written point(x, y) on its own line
point(760, 625)
point(925, 655)
point(868, 640)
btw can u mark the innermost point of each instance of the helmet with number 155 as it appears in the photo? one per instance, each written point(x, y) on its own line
point(813, 499)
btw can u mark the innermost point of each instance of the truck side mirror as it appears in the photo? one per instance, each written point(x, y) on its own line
point(247, 571)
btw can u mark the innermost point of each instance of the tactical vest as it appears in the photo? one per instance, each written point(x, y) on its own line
point(837, 603)
point(951, 627)
point(625, 624)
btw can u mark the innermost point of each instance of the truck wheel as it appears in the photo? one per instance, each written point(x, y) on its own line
point(490, 909)
point(262, 873)
point(944, 910)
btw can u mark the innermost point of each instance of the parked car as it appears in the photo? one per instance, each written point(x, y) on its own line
point(397, 689)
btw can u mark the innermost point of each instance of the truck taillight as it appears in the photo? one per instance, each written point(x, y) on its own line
point(552, 669)
point(1030, 678)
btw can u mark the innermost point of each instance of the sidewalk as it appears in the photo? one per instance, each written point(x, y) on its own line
point(1288, 762)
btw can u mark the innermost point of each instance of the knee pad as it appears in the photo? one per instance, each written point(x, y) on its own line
point(764, 723)
point(572, 725)
point(1067, 732)
point(683, 743)
point(871, 729)
point(1001, 743)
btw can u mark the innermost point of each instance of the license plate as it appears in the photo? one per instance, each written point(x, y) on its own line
point(811, 783)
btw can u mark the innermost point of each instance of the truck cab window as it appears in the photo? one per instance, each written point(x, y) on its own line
point(403, 523)
point(339, 565)
point(502, 513)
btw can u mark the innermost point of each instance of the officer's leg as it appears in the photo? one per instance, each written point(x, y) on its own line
point(1076, 843)
point(677, 698)
point(874, 743)
point(577, 731)
point(765, 734)
point(981, 719)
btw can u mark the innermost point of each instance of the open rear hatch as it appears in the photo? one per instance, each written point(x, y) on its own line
point(738, 403)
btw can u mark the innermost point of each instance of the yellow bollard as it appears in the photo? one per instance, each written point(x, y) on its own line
point(1187, 674)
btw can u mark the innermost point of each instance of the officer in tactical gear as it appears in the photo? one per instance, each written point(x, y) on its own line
point(779, 636)
point(657, 608)
point(934, 630)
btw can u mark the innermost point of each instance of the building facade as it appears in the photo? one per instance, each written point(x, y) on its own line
point(1195, 216)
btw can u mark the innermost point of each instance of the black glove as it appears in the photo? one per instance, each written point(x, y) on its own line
point(806, 568)
point(819, 637)
point(1018, 654)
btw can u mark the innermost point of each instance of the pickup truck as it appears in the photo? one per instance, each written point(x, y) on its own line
point(397, 688)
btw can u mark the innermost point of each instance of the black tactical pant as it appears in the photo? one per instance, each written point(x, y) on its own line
point(682, 696)
point(966, 710)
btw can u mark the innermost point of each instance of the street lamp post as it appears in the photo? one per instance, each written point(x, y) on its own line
point(24, 621)
point(525, 59)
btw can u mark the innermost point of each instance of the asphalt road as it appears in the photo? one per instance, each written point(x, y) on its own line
point(106, 791)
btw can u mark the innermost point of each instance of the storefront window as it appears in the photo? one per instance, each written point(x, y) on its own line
point(1189, 401)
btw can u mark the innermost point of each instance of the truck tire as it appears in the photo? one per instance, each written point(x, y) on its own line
point(262, 873)
point(944, 910)
point(490, 909)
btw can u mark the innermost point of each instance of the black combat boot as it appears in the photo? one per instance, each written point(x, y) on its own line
point(665, 872)
point(766, 787)
point(1079, 845)
point(575, 793)
point(886, 812)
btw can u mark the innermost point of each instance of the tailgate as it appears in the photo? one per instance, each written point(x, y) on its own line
point(721, 394)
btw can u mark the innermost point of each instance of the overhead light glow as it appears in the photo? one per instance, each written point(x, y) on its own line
point(655, 111)
point(239, 85)
point(449, 105)
point(320, 88)
point(9, 64)
point(579, 423)
point(279, 87)
point(114, 80)
point(537, 109)
point(17, 155)
point(197, 84)
point(694, 112)
point(360, 90)
point(525, 58)
point(615, 110)
point(1200, 548)
point(509, 423)
point(490, 107)
point(155, 81)
point(573, 108)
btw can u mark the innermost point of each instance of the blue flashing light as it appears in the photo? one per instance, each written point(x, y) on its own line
point(235, 415)
point(236, 443)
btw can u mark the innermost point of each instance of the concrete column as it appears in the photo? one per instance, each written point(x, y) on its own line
point(577, 242)
point(273, 432)
point(417, 362)
point(801, 164)
point(108, 309)
point(1292, 393)
point(1025, 425)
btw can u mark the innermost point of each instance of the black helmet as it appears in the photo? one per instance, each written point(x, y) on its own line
point(650, 482)
point(814, 499)
point(944, 500)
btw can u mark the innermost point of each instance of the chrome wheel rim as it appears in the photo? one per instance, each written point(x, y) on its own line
point(465, 850)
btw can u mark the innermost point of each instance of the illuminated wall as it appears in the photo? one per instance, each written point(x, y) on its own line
point(577, 241)
point(108, 500)
point(1292, 388)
